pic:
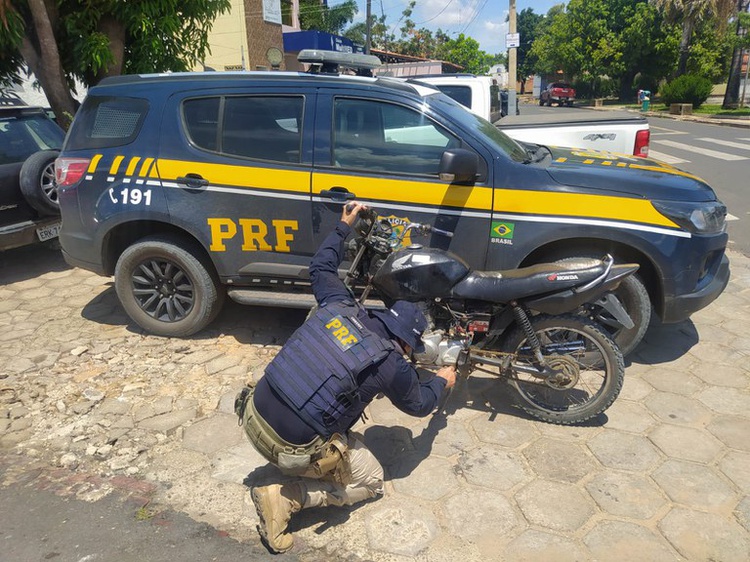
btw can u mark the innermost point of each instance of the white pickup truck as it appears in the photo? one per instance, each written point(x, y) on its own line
point(611, 131)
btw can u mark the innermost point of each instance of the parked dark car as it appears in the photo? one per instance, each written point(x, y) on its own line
point(558, 92)
point(29, 144)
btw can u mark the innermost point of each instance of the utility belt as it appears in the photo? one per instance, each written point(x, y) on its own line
point(320, 458)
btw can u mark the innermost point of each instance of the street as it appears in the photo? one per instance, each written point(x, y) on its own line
point(721, 156)
point(718, 154)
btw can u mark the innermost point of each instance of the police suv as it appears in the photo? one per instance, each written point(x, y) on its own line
point(190, 186)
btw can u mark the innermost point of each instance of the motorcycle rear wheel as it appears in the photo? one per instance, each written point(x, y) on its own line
point(590, 366)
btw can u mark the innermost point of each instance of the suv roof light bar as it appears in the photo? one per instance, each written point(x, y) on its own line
point(330, 61)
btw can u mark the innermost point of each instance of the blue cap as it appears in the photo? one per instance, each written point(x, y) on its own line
point(405, 321)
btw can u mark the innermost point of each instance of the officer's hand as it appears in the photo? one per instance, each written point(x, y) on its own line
point(350, 212)
point(449, 374)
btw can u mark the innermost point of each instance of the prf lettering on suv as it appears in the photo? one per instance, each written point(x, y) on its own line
point(188, 187)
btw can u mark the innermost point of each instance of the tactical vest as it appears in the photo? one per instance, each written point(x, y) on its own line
point(316, 371)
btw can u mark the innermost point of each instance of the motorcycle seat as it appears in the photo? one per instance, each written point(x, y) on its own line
point(536, 280)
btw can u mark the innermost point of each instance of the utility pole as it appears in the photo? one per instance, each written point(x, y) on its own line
point(368, 39)
point(512, 61)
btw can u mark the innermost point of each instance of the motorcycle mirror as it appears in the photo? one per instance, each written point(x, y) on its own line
point(366, 219)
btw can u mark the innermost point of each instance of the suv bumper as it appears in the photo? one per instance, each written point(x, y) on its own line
point(680, 307)
point(25, 233)
point(72, 247)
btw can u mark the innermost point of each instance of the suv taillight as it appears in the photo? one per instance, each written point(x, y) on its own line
point(69, 171)
point(642, 139)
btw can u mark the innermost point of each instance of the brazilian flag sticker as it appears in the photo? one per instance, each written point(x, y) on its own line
point(502, 230)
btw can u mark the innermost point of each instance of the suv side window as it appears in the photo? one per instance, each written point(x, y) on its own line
point(462, 94)
point(106, 122)
point(258, 127)
point(385, 137)
point(202, 122)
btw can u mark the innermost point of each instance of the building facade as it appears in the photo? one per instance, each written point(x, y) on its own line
point(241, 38)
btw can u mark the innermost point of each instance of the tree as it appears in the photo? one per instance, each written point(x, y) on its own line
point(92, 39)
point(380, 35)
point(322, 17)
point(625, 42)
point(742, 34)
point(689, 13)
point(417, 42)
point(580, 41)
point(527, 24)
point(464, 51)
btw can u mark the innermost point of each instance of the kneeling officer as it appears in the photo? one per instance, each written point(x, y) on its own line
point(300, 413)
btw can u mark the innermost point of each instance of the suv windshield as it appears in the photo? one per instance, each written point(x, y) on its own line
point(460, 114)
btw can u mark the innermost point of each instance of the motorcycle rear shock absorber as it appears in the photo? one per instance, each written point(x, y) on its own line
point(523, 320)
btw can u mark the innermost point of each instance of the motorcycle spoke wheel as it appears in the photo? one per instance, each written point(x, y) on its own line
point(588, 367)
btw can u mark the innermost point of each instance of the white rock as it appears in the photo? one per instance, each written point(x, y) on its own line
point(69, 460)
point(93, 395)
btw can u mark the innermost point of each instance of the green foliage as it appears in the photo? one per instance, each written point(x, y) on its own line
point(628, 41)
point(579, 41)
point(687, 88)
point(380, 35)
point(710, 51)
point(322, 17)
point(464, 51)
point(11, 35)
point(596, 87)
point(156, 35)
point(527, 25)
point(743, 41)
point(689, 15)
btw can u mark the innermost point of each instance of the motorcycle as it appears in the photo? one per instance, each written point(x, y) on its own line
point(520, 325)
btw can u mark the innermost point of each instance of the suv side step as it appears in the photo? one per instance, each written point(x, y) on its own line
point(286, 300)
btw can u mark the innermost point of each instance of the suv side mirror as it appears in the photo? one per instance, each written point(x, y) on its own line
point(458, 165)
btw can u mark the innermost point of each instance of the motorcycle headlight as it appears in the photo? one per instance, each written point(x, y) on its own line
point(698, 218)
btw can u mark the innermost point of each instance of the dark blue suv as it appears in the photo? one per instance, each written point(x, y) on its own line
point(189, 186)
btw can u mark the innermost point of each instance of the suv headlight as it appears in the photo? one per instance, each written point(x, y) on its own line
point(698, 218)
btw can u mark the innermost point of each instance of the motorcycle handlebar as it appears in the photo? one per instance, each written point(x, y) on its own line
point(426, 228)
point(447, 233)
point(370, 215)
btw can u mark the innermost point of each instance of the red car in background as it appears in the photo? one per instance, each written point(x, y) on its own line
point(559, 92)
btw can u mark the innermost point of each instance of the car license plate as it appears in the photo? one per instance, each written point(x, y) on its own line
point(49, 232)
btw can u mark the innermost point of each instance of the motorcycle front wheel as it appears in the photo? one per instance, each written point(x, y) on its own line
point(588, 366)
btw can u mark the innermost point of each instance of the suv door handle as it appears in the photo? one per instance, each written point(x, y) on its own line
point(338, 194)
point(193, 181)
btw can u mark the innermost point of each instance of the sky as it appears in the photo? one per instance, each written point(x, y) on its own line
point(483, 20)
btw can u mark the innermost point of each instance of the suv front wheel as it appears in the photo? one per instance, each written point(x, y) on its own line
point(166, 288)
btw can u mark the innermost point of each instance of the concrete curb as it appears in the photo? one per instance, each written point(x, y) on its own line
point(741, 123)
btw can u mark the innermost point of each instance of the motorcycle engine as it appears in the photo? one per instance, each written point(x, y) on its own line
point(440, 350)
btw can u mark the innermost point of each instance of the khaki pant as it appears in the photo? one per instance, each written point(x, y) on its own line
point(354, 475)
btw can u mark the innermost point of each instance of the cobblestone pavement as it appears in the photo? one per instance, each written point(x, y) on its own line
point(90, 403)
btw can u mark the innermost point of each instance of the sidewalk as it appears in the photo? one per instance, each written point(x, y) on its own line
point(742, 122)
point(100, 409)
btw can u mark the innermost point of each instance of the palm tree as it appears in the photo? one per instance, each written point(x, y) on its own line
point(690, 13)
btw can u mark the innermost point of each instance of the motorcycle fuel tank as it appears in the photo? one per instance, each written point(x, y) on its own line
point(416, 273)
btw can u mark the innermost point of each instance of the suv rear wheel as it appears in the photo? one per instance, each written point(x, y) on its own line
point(37, 181)
point(166, 288)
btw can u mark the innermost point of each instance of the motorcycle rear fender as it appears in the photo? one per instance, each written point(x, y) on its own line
point(570, 299)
